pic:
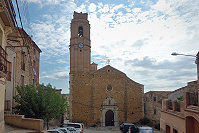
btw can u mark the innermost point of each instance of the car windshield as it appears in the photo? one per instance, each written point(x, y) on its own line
point(74, 125)
point(63, 130)
point(146, 131)
point(71, 129)
point(53, 131)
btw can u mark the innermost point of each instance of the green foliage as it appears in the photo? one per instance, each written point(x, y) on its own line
point(45, 103)
point(144, 121)
point(181, 98)
point(157, 126)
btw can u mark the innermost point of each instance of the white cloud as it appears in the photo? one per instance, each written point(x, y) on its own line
point(92, 7)
point(56, 76)
point(104, 9)
point(165, 27)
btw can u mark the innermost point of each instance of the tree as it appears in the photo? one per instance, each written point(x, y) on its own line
point(43, 103)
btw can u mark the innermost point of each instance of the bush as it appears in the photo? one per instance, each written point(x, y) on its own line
point(144, 121)
point(157, 126)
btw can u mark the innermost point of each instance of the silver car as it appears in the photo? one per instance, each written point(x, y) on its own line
point(55, 131)
point(146, 130)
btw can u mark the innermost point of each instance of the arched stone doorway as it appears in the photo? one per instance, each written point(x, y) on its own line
point(192, 125)
point(109, 118)
point(168, 129)
point(109, 115)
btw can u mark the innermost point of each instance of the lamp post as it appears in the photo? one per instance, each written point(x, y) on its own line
point(197, 62)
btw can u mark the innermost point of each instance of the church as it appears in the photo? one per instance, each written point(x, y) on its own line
point(99, 97)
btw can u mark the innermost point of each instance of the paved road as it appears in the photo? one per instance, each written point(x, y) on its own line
point(105, 130)
point(10, 129)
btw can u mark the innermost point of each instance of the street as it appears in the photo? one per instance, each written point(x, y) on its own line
point(106, 130)
point(10, 129)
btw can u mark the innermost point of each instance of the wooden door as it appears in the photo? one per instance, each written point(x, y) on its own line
point(109, 118)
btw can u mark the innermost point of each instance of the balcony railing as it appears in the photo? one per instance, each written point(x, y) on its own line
point(3, 60)
point(193, 98)
point(11, 10)
point(7, 106)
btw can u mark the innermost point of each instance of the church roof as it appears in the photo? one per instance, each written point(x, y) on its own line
point(109, 69)
point(93, 63)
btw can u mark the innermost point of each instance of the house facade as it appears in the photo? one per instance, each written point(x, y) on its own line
point(182, 116)
point(23, 57)
point(153, 104)
point(102, 97)
point(7, 24)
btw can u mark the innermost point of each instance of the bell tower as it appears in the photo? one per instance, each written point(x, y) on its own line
point(80, 44)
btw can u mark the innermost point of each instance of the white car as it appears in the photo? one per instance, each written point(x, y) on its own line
point(78, 126)
point(65, 130)
point(72, 130)
point(55, 131)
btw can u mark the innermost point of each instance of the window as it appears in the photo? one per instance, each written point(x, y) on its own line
point(7, 105)
point(154, 111)
point(22, 80)
point(34, 52)
point(154, 99)
point(23, 61)
point(80, 32)
point(109, 88)
point(175, 131)
point(168, 129)
point(8, 71)
point(145, 99)
point(33, 82)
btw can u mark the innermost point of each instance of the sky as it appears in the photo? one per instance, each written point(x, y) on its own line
point(137, 37)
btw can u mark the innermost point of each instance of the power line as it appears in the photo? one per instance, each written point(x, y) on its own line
point(26, 40)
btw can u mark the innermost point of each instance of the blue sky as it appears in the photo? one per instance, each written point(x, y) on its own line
point(137, 36)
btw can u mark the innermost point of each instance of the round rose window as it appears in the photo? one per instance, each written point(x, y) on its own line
point(109, 88)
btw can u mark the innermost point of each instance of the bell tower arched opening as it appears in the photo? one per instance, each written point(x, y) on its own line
point(80, 31)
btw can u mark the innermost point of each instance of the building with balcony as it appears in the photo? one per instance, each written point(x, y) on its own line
point(23, 57)
point(181, 116)
point(153, 104)
point(7, 24)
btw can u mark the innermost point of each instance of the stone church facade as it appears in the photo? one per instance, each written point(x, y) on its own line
point(102, 97)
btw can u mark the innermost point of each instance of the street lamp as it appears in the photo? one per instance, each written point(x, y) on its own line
point(196, 61)
point(175, 54)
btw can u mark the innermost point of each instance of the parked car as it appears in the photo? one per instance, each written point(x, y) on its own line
point(146, 130)
point(78, 126)
point(72, 130)
point(55, 131)
point(125, 128)
point(65, 130)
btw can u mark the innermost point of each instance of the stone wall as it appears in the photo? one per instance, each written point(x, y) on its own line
point(28, 123)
